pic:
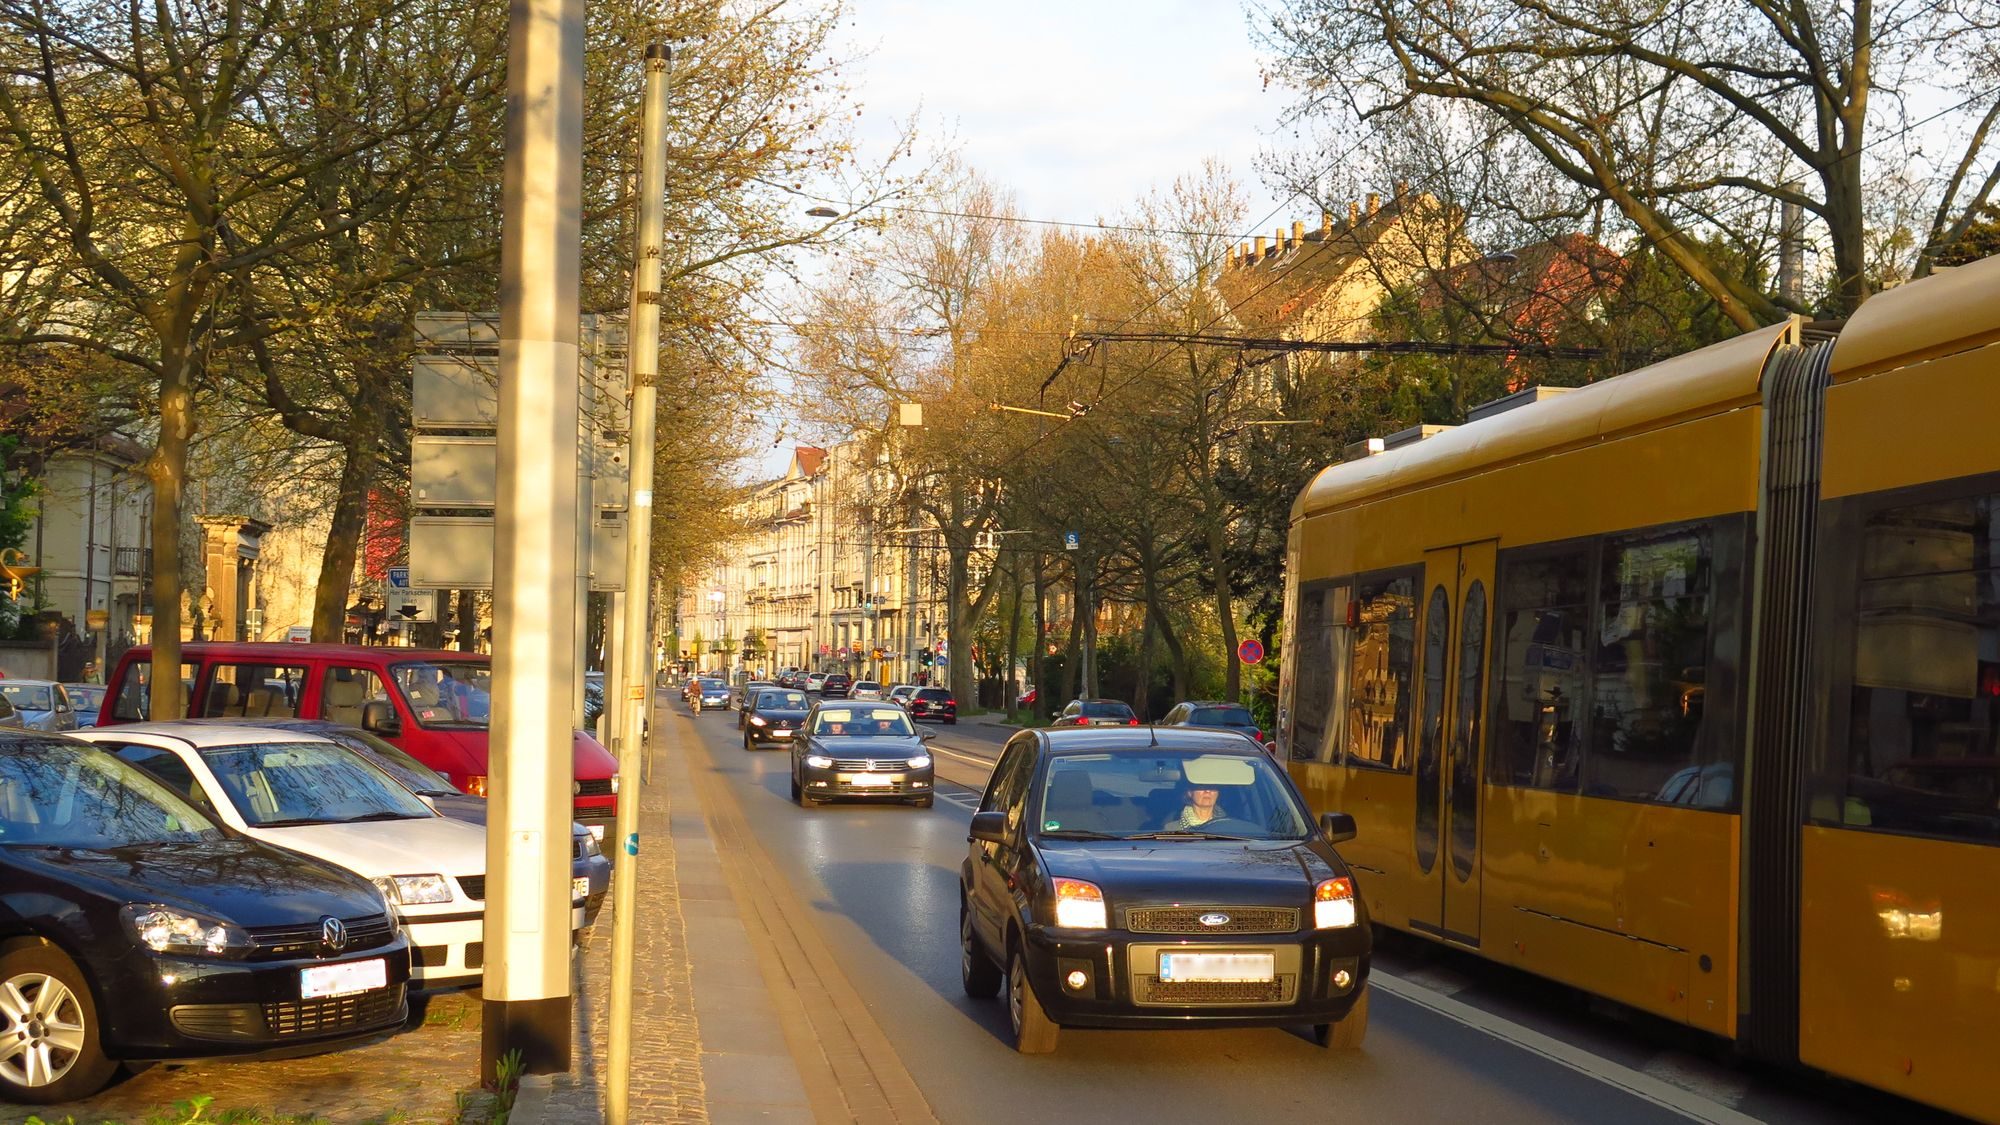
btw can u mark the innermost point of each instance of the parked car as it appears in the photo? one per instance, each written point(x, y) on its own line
point(1232, 910)
point(433, 704)
point(85, 699)
point(774, 716)
point(10, 719)
point(302, 792)
point(933, 703)
point(865, 689)
point(196, 943)
point(836, 685)
point(713, 694)
point(741, 695)
point(43, 705)
point(900, 694)
point(863, 751)
point(1215, 715)
point(815, 681)
point(590, 869)
point(1096, 713)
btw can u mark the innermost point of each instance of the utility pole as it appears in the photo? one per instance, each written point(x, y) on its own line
point(527, 933)
point(635, 693)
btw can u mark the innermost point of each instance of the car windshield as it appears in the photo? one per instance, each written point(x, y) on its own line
point(66, 795)
point(447, 694)
point(712, 685)
point(1106, 711)
point(782, 701)
point(1170, 792)
point(1221, 717)
point(862, 722)
point(273, 784)
point(29, 697)
point(392, 761)
point(935, 694)
point(85, 696)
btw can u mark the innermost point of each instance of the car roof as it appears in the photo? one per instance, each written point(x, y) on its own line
point(259, 650)
point(1213, 703)
point(1099, 740)
point(203, 734)
point(12, 681)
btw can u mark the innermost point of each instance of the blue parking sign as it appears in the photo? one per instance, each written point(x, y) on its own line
point(399, 578)
point(1072, 540)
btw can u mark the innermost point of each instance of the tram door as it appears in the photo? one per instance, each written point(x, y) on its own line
point(1452, 658)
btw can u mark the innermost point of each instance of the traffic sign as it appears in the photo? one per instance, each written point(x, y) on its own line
point(1072, 540)
point(1250, 651)
point(399, 578)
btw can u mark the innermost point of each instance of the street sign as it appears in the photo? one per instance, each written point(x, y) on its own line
point(1072, 540)
point(399, 578)
point(1250, 651)
point(298, 634)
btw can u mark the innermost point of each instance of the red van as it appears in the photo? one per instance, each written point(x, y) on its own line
point(432, 703)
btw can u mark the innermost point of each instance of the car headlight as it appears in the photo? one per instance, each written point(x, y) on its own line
point(1080, 906)
point(758, 721)
point(819, 761)
point(415, 890)
point(164, 929)
point(919, 761)
point(1333, 904)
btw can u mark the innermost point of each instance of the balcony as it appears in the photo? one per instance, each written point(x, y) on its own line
point(132, 562)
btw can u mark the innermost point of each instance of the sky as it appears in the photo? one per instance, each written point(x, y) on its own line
point(1078, 107)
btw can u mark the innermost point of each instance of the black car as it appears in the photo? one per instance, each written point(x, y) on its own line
point(774, 717)
point(587, 860)
point(837, 685)
point(743, 695)
point(933, 703)
point(861, 751)
point(1096, 713)
point(1158, 878)
point(198, 943)
point(1215, 715)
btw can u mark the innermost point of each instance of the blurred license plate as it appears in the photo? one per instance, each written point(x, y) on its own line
point(579, 887)
point(596, 832)
point(1231, 968)
point(343, 980)
point(870, 780)
point(781, 733)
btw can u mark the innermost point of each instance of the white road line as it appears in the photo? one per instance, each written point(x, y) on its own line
point(1688, 1104)
point(963, 757)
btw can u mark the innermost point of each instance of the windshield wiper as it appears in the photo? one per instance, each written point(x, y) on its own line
point(295, 822)
point(1179, 835)
point(380, 816)
point(1079, 834)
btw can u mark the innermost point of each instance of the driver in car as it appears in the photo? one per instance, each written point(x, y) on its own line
point(1201, 809)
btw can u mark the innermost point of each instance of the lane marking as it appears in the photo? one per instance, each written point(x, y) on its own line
point(963, 757)
point(1640, 1085)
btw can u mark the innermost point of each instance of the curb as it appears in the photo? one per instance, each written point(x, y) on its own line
point(531, 1100)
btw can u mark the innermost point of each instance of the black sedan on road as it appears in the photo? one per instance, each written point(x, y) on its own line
point(1158, 878)
point(198, 944)
point(863, 751)
point(774, 716)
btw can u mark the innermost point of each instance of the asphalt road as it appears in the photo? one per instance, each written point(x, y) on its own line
point(1450, 1038)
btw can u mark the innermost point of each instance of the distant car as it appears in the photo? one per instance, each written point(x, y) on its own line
point(774, 717)
point(714, 693)
point(1162, 878)
point(933, 703)
point(86, 699)
point(1214, 715)
point(901, 693)
point(1096, 713)
point(741, 694)
point(861, 751)
point(1028, 698)
point(815, 681)
point(43, 705)
point(836, 685)
point(134, 927)
point(865, 689)
point(10, 719)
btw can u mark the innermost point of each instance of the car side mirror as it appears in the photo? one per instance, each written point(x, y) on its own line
point(378, 716)
point(989, 827)
point(926, 735)
point(1338, 826)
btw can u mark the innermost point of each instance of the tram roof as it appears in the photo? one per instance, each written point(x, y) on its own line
point(1712, 380)
point(1950, 311)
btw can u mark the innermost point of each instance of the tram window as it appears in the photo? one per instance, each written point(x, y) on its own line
point(1382, 647)
point(1320, 672)
point(1649, 671)
point(1537, 711)
point(1924, 730)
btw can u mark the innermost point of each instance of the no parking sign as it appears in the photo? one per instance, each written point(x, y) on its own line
point(1250, 651)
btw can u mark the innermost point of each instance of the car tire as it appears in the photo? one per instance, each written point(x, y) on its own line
point(747, 743)
point(56, 992)
point(951, 722)
point(798, 793)
point(1034, 1032)
point(1350, 1032)
point(976, 971)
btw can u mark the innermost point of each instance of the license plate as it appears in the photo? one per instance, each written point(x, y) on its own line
point(870, 780)
point(1226, 968)
point(579, 887)
point(596, 832)
point(781, 734)
point(343, 980)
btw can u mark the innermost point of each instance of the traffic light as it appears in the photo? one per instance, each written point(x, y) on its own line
point(924, 658)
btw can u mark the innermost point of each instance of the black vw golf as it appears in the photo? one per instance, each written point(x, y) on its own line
point(1158, 878)
point(131, 927)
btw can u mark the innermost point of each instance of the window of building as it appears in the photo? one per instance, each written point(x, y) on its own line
point(1650, 668)
point(1923, 741)
point(1382, 653)
point(1538, 699)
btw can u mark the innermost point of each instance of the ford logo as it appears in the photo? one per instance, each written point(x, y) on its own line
point(1215, 919)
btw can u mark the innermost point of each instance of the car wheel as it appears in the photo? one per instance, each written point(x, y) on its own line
point(48, 1021)
point(747, 743)
point(798, 794)
point(951, 722)
point(1349, 1033)
point(1034, 1032)
point(976, 971)
point(924, 801)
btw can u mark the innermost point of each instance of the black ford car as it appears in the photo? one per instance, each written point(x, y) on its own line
point(774, 715)
point(131, 927)
point(1158, 878)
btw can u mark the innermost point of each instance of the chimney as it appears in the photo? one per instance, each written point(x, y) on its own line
point(1260, 248)
point(1374, 203)
point(1353, 214)
point(1325, 226)
point(1243, 257)
point(1279, 242)
point(1298, 233)
point(1229, 259)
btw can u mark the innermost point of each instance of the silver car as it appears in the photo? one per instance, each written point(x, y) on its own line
point(41, 704)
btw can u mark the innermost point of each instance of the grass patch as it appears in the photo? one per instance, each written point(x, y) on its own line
point(199, 1110)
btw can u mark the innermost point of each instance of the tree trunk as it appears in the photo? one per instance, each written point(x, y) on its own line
point(1178, 654)
point(1071, 679)
point(468, 621)
point(958, 639)
point(1007, 687)
point(1037, 660)
point(1087, 613)
point(1142, 694)
point(1225, 611)
point(168, 472)
point(343, 540)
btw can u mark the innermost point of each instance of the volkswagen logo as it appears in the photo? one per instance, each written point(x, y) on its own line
point(333, 933)
point(1214, 918)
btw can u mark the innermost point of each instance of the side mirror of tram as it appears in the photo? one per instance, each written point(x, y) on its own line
point(1338, 826)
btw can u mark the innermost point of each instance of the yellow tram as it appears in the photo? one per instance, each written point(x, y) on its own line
point(1683, 688)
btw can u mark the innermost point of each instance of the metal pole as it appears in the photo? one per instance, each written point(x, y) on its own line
point(608, 720)
point(527, 931)
point(642, 367)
